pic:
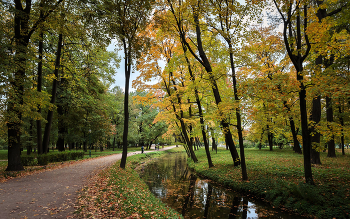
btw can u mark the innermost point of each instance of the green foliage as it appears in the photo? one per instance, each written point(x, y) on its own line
point(44, 159)
point(28, 160)
point(248, 144)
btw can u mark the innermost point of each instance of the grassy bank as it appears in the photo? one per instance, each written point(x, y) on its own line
point(277, 176)
point(120, 193)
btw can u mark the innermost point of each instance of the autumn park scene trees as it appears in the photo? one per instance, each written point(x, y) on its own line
point(255, 93)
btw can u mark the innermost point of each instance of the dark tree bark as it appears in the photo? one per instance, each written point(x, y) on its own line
point(29, 147)
point(315, 158)
point(192, 140)
point(180, 115)
point(270, 137)
point(183, 140)
point(329, 113)
point(238, 114)
point(15, 96)
point(62, 129)
point(200, 111)
point(206, 64)
point(315, 137)
point(214, 145)
point(48, 125)
point(39, 86)
point(127, 59)
point(341, 119)
point(22, 35)
point(296, 144)
point(203, 60)
point(294, 50)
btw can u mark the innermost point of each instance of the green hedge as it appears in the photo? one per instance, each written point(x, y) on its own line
point(44, 159)
point(28, 160)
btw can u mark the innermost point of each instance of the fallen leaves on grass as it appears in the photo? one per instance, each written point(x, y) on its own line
point(120, 193)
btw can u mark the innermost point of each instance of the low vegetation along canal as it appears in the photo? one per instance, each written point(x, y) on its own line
point(170, 180)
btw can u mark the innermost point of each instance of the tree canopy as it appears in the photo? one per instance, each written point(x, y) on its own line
point(269, 72)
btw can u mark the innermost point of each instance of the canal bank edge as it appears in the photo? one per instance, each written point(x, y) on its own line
point(279, 193)
point(118, 193)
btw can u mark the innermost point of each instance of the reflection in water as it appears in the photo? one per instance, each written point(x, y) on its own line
point(170, 180)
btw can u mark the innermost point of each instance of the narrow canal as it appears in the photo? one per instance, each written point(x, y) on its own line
point(170, 180)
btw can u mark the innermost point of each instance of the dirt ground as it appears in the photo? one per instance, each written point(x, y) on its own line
point(50, 194)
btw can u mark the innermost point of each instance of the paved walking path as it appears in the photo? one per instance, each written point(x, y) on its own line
point(50, 194)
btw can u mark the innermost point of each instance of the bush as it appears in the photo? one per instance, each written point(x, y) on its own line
point(248, 145)
point(28, 160)
point(64, 156)
point(43, 159)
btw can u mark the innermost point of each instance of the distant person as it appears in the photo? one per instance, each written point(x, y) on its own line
point(142, 149)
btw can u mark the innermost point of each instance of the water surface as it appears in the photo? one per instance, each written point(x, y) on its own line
point(170, 179)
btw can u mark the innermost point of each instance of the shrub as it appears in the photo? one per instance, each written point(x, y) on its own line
point(64, 156)
point(43, 159)
point(28, 160)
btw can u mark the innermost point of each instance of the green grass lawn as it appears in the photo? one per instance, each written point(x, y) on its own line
point(278, 177)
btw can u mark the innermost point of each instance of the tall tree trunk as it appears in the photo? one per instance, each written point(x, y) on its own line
point(29, 147)
point(294, 51)
point(329, 113)
point(62, 130)
point(238, 114)
point(203, 60)
point(183, 140)
point(296, 144)
point(126, 104)
point(315, 137)
point(214, 145)
point(16, 92)
point(306, 135)
point(200, 111)
point(206, 64)
point(341, 119)
point(53, 95)
point(269, 137)
point(180, 117)
point(39, 86)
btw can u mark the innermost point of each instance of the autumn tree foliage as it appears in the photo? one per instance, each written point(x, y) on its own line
point(209, 69)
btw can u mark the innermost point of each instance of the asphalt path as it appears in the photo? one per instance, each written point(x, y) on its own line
point(51, 194)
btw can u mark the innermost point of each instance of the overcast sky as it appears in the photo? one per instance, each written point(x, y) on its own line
point(120, 75)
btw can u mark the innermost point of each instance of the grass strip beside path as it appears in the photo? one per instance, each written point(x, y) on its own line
point(121, 193)
point(278, 177)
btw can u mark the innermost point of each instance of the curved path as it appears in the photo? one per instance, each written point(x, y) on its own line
point(51, 194)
